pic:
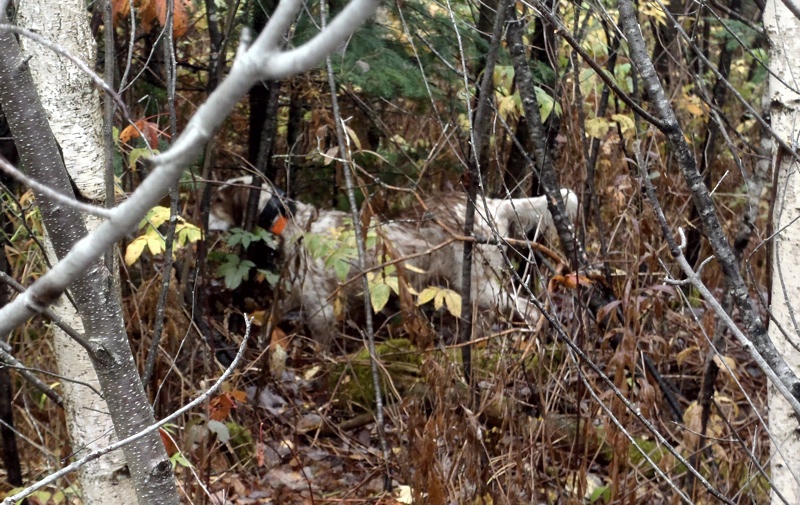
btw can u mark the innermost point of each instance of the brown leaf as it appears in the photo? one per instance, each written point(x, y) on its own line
point(150, 131)
point(279, 338)
point(168, 441)
point(220, 407)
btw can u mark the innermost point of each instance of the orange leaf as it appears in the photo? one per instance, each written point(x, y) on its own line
point(128, 133)
point(134, 131)
point(572, 280)
point(147, 14)
point(180, 16)
point(120, 9)
point(220, 407)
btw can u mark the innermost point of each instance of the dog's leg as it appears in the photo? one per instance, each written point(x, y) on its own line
point(319, 309)
point(490, 294)
point(322, 324)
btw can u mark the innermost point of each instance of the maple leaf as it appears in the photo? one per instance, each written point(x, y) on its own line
point(136, 130)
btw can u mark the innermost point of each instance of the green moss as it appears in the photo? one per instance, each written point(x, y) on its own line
point(351, 378)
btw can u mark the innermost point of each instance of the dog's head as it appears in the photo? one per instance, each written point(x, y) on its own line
point(229, 205)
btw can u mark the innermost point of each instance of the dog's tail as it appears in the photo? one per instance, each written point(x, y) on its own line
point(531, 213)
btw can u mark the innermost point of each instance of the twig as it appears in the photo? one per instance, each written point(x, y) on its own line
point(758, 345)
point(11, 362)
point(20, 177)
point(260, 62)
point(344, 151)
point(694, 279)
point(52, 316)
point(174, 197)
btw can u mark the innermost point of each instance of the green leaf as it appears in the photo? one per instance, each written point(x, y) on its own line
point(600, 493)
point(342, 268)
point(546, 104)
point(234, 270)
point(218, 428)
point(393, 283)
point(135, 154)
point(271, 277)
point(187, 233)
point(379, 296)
point(179, 459)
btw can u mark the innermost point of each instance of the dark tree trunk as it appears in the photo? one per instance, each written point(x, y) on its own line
point(708, 153)
point(7, 433)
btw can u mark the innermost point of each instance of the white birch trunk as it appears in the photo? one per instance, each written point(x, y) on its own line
point(73, 110)
point(784, 33)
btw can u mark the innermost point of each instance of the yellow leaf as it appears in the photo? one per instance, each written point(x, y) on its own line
point(412, 268)
point(453, 302)
point(438, 300)
point(625, 123)
point(727, 360)
point(379, 296)
point(259, 317)
point(354, 137)
point(134, 250)
point(694, 109)
point(155, 243)
point(597, 127)
point(187, 233)
point(681, 356)
point(427, 295)
point(154, 217)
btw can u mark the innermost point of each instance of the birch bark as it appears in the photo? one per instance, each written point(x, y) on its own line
point(73, 110)
point(783, 29)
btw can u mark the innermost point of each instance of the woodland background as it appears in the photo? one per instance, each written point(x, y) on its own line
point(297, 426)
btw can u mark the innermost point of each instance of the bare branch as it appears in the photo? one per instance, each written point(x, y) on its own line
point(20, 177)
point(10, 361)
point(759, 341)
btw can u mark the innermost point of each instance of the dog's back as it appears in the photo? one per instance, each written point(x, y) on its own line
point(427, 238)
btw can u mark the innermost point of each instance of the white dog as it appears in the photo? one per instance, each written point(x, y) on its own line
point(427, 239)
